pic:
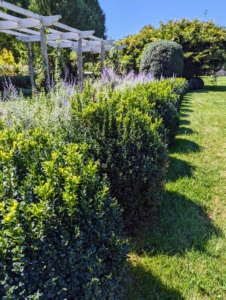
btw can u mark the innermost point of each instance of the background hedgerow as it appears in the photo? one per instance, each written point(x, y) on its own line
point(18, 81)
point(61, 232)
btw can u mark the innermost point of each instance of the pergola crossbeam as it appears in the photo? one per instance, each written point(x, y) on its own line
point(30, 31)
point(22, 23)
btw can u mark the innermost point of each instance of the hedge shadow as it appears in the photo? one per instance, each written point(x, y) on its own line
point(151, 287)
point(182, 145)
point(178, 169)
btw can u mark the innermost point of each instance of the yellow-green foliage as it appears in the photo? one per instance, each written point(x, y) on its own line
point(131, 55)
point(7, 62)
point(60, 231)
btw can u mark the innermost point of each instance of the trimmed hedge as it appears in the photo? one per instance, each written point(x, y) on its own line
point(61, 227)
point(162, 58)
point(128, 138)
point(18, 81)
point(165, 97)
point(61, 232)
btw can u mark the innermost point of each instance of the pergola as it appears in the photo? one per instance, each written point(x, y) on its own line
point(69, 38)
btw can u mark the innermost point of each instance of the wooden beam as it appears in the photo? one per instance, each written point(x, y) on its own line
point(16, 33)
point(27, 13)
point(82, 34)
point(18, 23)
point(8, 17)
point(95, 38)
point(120, 47)
point(37, 38)
point(30, 31)
point(21, 23)
point(98, 43)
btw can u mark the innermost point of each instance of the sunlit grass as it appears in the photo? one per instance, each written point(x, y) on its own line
point(182, 254)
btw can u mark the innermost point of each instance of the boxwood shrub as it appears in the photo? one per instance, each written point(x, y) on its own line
point(61, 232)
point(165, 97)
point(162, 58)
point(128, 139)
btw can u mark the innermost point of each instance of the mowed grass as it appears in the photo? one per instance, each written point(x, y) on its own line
point(182, 253)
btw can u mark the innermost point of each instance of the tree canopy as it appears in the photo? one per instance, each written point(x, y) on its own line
point(203, 45)
point(135, 45)
point(80, 14)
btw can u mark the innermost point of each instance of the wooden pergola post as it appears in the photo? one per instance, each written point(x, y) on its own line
point(80, 67)
point(102, 57)
point(117, 63)
point(45, 63)
point(30, 61)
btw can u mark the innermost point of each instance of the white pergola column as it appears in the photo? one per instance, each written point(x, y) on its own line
point(117, 64)
point(30, 61)
point(102, 57)
point(45, 63)
point(80, 66)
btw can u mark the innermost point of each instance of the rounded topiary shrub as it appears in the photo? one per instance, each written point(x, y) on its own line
point(162, 58)
point(61, 232)
point(196, 83)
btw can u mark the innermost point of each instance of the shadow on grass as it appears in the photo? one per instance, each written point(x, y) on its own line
point(204, 91)
point(215, 88)
point(182, 145)
point(184, 122)
point(180, 225)
point(149, 287)
point(179, 168)
point(183, 115)
point(185, 130)
point(183, 109)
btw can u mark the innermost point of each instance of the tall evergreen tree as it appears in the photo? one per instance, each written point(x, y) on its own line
point(80, 14)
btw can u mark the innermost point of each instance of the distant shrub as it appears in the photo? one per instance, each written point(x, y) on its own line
point(162, 58)
point(61, 232)
point(17, 81)
point(196, 83)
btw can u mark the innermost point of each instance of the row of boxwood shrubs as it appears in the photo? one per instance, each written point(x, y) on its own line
point(128, 132)
point(61, 234)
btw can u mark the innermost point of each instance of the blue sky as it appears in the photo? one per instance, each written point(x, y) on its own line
point(125, 17)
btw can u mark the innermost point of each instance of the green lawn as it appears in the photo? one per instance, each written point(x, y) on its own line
point(182, 254)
